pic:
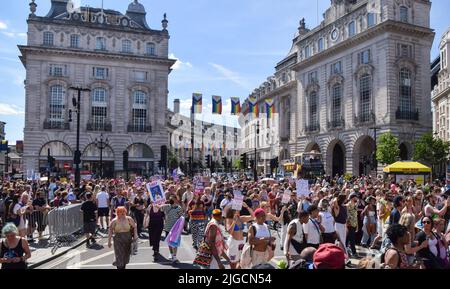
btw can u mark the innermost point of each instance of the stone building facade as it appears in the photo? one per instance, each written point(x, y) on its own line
point(362, 72)
point(121, 60)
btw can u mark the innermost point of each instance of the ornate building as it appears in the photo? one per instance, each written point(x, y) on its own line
point(121, 60)
point(362, 72)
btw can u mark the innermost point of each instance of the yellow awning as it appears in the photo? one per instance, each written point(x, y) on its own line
point(407, 168)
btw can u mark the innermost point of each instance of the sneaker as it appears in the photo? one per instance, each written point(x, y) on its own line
point(175, 260)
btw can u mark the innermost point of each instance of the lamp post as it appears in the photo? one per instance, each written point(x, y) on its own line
point(255, 170)
point(77, 105)
point(101, 145)
point(375, 161)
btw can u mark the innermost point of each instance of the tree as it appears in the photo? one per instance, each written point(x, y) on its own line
point(430, 150)
point(173, 161)
point(387, 150)
point(237, 164)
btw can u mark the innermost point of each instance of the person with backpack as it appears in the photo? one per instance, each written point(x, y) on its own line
point(295, 241)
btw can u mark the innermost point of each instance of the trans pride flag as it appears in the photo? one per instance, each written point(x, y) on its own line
point(216, 104)
point(270, 108)
point(235, 106)
point(253, 106)
point(197, 103)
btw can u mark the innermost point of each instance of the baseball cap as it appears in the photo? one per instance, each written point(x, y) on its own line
point(329, 256)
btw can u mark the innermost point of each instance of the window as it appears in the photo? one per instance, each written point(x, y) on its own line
point(58, 70)
point(150, 49)
point(57, 96)
point(312, 77)
point(405, 90)
point(320, 45)
point(404, 50)
point(336, 103)
point(139, 98)
point(100, 73)
point(364, 57)
point(403, 14)
point(74, 41)
point(283, 77)
point(444, 58)
point(370, 19)
point(365, 91)
point(336, 68)
point(100, 43)
point(307, 51)
point(126, 46)
point(140, 76)
point(48, 38)
point(351, 29)
point(99, 109)
point(139, 111)
point(313, 102)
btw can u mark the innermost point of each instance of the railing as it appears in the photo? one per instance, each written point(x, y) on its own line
point(99, 126)
point(63, 222)
point(407, 115)
point(315, 127)
point(56, 125)
point(339, 123)
point(365, 118)
point(140, 128)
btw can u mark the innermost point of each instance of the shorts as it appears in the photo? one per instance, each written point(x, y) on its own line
point(103, 212)
point(235, 249)
point(89, 227)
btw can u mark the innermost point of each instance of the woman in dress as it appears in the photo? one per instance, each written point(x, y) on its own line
point(124, 230)
point(14, 249)
point(155, 228)
point(369, 222)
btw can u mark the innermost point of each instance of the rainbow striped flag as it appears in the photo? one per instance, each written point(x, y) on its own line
point(197, 103)
point(216, 104)
point(253, 106)
point(270, 108)
point(235, 106)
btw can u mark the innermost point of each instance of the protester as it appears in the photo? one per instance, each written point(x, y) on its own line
point(103, 204)
point(296, 241)
point(124, 230)
point(215, 240)
point(155, 228)
point(14, 251)
point(89, 209)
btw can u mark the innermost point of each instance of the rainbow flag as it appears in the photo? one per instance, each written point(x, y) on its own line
point(270, 108)
point(235, 106)
point(216, 104)
point(253, 106)
point(197, 103)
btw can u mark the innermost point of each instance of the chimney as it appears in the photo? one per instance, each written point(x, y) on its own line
point(176, 106)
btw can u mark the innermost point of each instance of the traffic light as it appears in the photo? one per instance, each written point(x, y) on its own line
point(244, 161)
point(125, 160)
point(51, 162)
point(208, 161)
point(164, 152)
point(224, 162)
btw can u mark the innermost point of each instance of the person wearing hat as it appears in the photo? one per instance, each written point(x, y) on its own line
point(329, 257)
point(369, 222)
point(216, 241)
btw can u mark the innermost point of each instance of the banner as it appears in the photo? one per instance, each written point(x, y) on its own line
point(235, 106)
point(253, 106)
point(302, 188)
point(156, 193)
point(216, 104)
point(270, 108)
point(237, 201)
point(197, 103)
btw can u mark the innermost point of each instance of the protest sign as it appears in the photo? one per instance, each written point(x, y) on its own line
point(156, 193)
point(237, 201)
point(286, 197)
point(302, 188)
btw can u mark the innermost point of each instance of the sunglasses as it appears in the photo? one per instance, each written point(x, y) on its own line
point(427, 222)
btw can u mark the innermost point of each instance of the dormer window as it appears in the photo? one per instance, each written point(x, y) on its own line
point(150, 48)
point(370, 20)
point(352, 29)
point(403, 14)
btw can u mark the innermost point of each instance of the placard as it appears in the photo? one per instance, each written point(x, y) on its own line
point(302, 188)
point(286, 197)
point(237, 201)
point(156, 191)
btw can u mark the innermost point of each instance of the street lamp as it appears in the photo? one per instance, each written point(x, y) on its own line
point(255, 171)
point(101, 145)
point(77, 105)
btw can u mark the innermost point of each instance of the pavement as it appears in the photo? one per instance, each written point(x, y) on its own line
point(99, 256)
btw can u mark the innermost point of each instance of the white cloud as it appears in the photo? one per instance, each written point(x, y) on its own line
point(179, 64)
point(14, 34)
point(231, 75)
point(10, 109)
point(3, 25)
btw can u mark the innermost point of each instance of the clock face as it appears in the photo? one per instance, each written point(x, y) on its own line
point(334, 34)
point(124, 22)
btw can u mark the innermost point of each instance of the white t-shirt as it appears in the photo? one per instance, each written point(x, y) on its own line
point(327, 222)
point(102, 198)
point(187, 197)
point(312, 232)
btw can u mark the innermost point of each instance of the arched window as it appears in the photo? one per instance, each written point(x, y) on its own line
point(150, 48)
point(48, 38)
point(139, 111)
point(126, 46)
point(56, 108)
point(336, 100)
point(405, 90)
point(403, 14)
point(365, 93)
point(99, 109)
point(313, 109)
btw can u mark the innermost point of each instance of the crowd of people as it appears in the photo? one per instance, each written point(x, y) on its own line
point(237, 222)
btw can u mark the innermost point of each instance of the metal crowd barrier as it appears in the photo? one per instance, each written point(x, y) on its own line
point(65, 221)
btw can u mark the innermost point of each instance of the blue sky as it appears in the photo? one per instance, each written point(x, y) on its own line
point(224, 47)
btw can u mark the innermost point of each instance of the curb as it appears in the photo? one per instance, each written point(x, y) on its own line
point(53, 257)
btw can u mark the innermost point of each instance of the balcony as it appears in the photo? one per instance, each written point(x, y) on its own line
point(407, 115)
point(315, 127)
point(99, 127)
point(140, 128)
point(365, 118)
point(56, 125)
point(336, 124)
